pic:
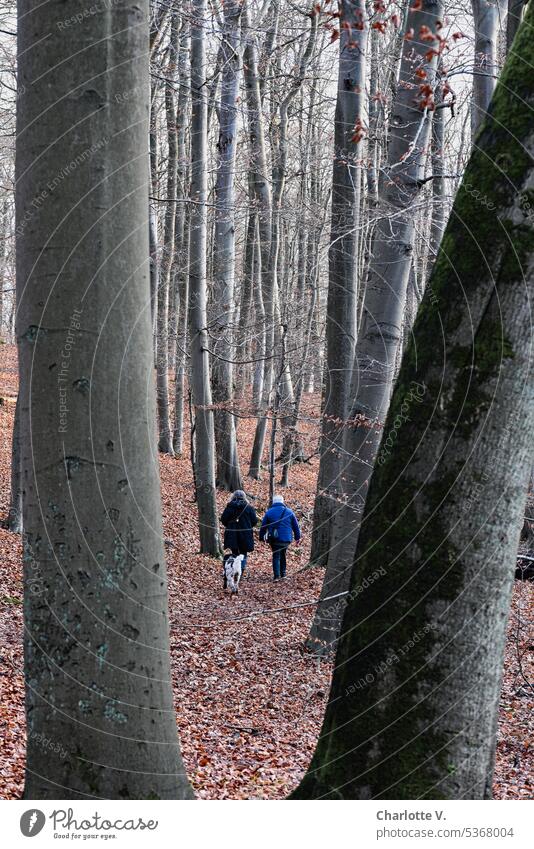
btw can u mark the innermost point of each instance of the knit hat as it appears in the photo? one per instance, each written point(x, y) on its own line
point(239, 495)
point(278, 499)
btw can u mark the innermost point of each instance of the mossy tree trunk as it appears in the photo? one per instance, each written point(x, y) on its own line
point(413, 708)
point(97, 671)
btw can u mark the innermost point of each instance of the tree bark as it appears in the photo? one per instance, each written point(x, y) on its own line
point(487, 16)
point(262, 196)
point(228, 470)
point(14, 518)
point(200, 370)
point(96, 639)
point(413, 707)
point(342, 281)
point(162, 355)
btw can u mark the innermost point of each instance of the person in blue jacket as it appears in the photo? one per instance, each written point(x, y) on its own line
point(278, 528)
point(239, 518)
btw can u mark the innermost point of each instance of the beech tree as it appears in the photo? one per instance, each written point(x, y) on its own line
point(96, 626)
point(413, 707)
point(204, 459)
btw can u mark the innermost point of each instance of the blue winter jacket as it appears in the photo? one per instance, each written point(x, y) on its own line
point(284, 520)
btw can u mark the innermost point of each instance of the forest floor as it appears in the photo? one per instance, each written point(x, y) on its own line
point(249, 701)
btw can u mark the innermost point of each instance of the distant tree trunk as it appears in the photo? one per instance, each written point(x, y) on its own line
point(178, 271)
point(439, 190)
point(200, 371)
point(162, 356)
point(342, 284)
point(153, 217)
point(95, 611)
point(383, 313)
point(228, 471)
point(487, 15)
point(414, 702)
point(14, 519)
point(262, 196)
point(180, 282)
point(3, 258)
point(182, 333)
point(515, 11)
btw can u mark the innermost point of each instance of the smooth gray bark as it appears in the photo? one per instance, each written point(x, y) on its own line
point(14, 517)
point(228, 471)
point(162, 352)
point(262, 195)
point(96, 639)
point(342, 282)
point(488, 16)
point(200, 367)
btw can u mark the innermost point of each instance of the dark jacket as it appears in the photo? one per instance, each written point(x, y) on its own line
point(238, 518)
point(284, 520)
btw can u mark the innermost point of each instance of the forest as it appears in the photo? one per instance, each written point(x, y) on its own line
point(266, 399)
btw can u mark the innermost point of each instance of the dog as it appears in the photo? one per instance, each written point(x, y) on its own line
point(232, 568)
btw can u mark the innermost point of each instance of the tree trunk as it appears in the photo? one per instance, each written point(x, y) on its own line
point(179, 272)
point(487, 15)
point(162, 355)
point(14, 518)
point(96, 624)
point(513, 19)
point(413, 707)
point(228, 471)
point(383, 313)
point(342, 283)
point(262, 195)
point(200, 371)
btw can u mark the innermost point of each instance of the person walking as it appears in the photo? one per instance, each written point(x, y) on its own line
point(278, 528)
point(239, 518)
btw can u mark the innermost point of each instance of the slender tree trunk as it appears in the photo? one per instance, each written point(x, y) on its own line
point(414, 702)
point(162, 356)
point(515, 11)
point(3, 258)
point(200, 370)
point(153, 218)
point(182, 334)
point(342, 283)
point(383, 313)
point(228, 471)
point(487, 15)
point(262, 195)
point(178, 271)
point(439, 190)
point(14, 518)
point(96, 624)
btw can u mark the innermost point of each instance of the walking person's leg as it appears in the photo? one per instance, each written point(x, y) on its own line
point(283, 561)
point(276, 561)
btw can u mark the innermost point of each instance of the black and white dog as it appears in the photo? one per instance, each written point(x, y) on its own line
point(232, 569)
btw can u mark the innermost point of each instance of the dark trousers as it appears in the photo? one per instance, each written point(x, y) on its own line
point(279, 558)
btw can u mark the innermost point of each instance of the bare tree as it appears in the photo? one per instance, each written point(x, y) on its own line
point(228, 470)
point(200, 371)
